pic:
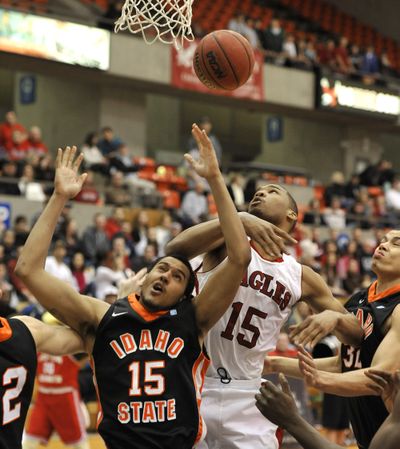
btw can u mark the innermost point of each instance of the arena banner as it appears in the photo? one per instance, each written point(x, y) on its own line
point(184, 77)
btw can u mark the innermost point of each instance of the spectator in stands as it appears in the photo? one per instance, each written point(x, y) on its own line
point(336, 189)
point(108, 274)
point(21, 229)
point(194, 207)
point(260, 31)
point(8, 181)
point(8, 127)
point(343, 61)
point(353, 278)
point(274, 37)
point(302, 60)
point(313, 215)
point(31, 189)
point(45, 170)
point(108, 144)
point(237, 23)
point(290, 50)
point(18, 148)
point(145, 261)
point(35, 141)
point(69, 235)
point(140, 231)
point(83, 274)
point(205, 124)
point(6, 289)
point(352, 190)
point(327, 54)
point(92, 156)
point(356, 57)
point(334, 216)
point(89, 192)
point(377, 174)
point(117, 192)
point(250, 33)
point(56, 266)
point(370, 64)
point(164, 233)
point(359, 215)
point(236, 191)
point(120, 248)
point(94, 240)
point(386, 65)
point(310, 52)
point(114, 222)
point(392, 196)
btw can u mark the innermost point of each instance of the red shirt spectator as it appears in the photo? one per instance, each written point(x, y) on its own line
point(35, 141)
point(114, 223)
point(8, 127)
point(342, 56)
point(89, 193)
point(18, 148)
point(326, 53)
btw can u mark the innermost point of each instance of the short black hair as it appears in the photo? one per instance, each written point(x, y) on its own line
point(188, 293)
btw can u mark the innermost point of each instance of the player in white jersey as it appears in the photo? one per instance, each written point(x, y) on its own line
point(237, 344)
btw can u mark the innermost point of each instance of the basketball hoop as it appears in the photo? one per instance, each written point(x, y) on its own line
point(168, 21)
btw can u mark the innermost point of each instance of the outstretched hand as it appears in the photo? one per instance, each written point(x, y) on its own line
point(277, 404)
point(386, 384)
point(207, 165)
point(308, 368)
point(68, 183)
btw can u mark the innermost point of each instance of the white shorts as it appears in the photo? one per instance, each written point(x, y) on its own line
point(232, 419)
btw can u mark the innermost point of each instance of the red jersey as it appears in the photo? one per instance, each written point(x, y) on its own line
point(56, 374)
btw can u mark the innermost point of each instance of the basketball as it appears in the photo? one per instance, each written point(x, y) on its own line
point(223, 60)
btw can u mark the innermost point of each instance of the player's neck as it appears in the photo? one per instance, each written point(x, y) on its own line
point(262, 252)
point(384, 284)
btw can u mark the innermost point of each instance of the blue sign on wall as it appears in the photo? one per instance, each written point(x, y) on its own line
point(274, 129)
point(5, 214)
point(27, 89)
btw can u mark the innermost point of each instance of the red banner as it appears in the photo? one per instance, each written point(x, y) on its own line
point(184, 77)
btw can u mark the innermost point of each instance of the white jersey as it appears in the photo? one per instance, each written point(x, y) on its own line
point(249, 329)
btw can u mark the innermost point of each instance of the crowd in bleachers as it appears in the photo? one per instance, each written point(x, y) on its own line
point(114, 245)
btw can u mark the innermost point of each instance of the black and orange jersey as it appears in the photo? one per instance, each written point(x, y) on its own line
point(149, 370)
point(17, 376)
point(367, 413)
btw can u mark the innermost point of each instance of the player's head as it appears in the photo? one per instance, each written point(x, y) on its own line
point(275, 204)
point(386, 258)
point(170, 280)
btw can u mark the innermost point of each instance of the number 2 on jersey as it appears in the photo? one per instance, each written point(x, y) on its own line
point(12, 413)
point(241, 338)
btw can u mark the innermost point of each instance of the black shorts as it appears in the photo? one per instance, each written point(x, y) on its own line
point(334, 412)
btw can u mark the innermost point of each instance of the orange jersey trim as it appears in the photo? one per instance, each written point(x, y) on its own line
point(199, 370)
point(5, 330)
point(279, 260)
point(142, 311)
point(373, 296)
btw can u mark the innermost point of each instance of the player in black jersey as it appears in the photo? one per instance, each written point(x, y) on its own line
point(20, 338)
point(377, 311)
point(146, 348)
point(278, 405)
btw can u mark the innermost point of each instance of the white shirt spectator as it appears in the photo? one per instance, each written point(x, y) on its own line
point(251, 35)
point(335, 218)
point(92, 155)
point(289, 47)
point(194, 205)
point(104, 279)
point(60, 271)
point(393, 198)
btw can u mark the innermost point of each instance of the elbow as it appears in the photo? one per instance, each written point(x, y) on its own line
point(21, 269)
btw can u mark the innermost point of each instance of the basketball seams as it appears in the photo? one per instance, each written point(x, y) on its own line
point(247, 53)
point(228, 60)
point(203, 62)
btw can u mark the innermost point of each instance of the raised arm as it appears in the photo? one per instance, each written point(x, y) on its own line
point(79, 312)
point(206, 237)
point(355, 383)
point(53, 340)
point(278, 406)
point(220, 289)
point(331, 316)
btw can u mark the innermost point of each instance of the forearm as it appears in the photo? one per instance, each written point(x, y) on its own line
point(348, 330)
point(35, 250)
point(237, 246)
point(197, 240)
point(290, 366)
point(350, 384)
point(308, 436)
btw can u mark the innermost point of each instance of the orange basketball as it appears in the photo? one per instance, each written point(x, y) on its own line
point(223, 59)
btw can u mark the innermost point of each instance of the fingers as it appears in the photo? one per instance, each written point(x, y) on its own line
point(189, 159)
point(66, 158)
point(59, 157)
point(78, 161)
point(285, 236)
point(284, 384)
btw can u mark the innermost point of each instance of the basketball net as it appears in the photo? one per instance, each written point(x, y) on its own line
point(168, 21)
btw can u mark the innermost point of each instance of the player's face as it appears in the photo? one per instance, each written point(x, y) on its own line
point(165, 284)
point(271, 203)
point(386, 258)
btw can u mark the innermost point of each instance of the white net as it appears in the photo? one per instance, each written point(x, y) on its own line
point(168, 21)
